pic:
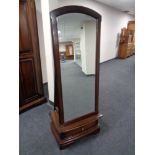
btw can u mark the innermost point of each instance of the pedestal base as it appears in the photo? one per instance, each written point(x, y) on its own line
point(69, 133)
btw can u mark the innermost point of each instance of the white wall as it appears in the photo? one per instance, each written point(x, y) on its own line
point(83, 49)
point(112, 22)
point(90, 34)
point(88, 47)
point(41, 40)
point(46, 44)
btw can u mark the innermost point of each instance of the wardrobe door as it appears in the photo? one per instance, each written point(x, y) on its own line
point(31, 85)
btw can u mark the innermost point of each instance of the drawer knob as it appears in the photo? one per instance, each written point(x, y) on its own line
point(82, 129)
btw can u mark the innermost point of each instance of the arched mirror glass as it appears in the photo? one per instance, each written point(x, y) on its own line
point(77, 52)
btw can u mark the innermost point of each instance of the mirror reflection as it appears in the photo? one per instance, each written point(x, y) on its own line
point(77, 50)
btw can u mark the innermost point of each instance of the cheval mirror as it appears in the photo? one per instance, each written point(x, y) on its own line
point(76, 49)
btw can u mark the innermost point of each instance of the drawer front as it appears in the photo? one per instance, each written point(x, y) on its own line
point(79, 129)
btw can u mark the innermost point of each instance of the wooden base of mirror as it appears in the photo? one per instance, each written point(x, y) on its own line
point(72, 131)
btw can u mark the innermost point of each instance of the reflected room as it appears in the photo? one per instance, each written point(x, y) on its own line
point(77, 50)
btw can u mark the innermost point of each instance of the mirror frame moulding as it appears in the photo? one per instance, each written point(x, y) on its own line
point(58, 99)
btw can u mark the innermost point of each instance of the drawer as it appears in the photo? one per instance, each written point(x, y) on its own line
point(79, 129)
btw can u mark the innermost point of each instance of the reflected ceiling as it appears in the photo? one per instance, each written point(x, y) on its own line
point(69, 26)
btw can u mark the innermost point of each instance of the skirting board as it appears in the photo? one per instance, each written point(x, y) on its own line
point(46, 94)
point(45, 86)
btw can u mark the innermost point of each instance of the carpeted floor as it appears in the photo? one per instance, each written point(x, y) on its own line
point(78, 91)
point(117, 135)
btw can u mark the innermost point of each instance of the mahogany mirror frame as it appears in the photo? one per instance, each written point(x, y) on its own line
point(57, 116)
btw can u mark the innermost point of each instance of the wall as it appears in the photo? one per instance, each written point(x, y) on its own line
point(44, 32)
point(41, 40)
point(83, 50)
point(90, 44)
point(112, 22)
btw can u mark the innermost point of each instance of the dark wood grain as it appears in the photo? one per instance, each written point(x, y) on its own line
point(31, 85)
point(24, 37)
point(66, 135)
point(27, 73)
point(68, 132)
point(58, 86)
point(98, 31)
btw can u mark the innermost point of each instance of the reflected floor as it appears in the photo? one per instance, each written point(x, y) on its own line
point(78, 90)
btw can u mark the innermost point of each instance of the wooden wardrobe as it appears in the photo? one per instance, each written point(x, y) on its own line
point(30, 76)
point(127, 41)
point(69, 52)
